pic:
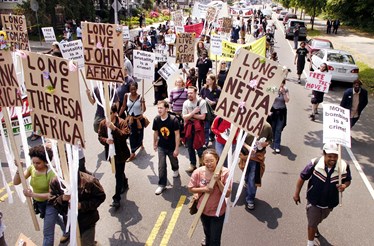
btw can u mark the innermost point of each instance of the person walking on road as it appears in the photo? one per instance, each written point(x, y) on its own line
point(323, 189)
point(166, 140)
point(278, 117)
point(355, 99)
point(317, 96)
point(193, 113)
point(120, 132)
point(198, 185)
point(301, 54)
point(296, 33)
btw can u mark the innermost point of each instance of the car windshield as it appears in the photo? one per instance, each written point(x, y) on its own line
point(322, 44)
point(294, 23)
point(340, 58)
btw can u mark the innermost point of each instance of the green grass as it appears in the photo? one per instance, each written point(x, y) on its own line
point(313, 33)
point(367, 76)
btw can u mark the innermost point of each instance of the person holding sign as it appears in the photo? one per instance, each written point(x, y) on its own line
point(194, 116)
point(317, 96)
point(323, 189)
point(120, 132)
point(134, 105)
point(198, 185)
point(40, 177)
point(355, 99)
point(204, 65)
point(278, 117)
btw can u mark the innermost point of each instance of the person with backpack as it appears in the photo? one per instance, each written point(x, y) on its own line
point(194, 113)
point(166, 140)
point(323, 187)
point(210, 93)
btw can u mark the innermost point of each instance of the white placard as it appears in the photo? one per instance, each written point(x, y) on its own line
point(216, 45)
point(179, 29)
point(49, 34)
point(170, 38)
point(336, 125)
point(73, 50)
point(161, 54)
point(168, 70)
point(318, 81)
point(144, 67)
point(126, 32)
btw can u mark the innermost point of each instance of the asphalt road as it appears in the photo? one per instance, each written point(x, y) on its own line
point(276, 219)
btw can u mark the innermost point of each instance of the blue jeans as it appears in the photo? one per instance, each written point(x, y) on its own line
point(212, 226)
point(277, 132)
point(295, 41)
point(251, 186)
point(191, 151)
point(51, 218)
point(219, 148)
point(162, 171)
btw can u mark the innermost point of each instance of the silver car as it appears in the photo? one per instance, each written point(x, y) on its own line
point(340, 63)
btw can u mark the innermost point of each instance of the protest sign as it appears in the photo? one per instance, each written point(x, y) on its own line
point(10, 92)
point(144, 67)
point(229, 49)
point(185, 48)
point(73, 50)
point(249, 91)
point(226, 25)
point(49, 34)
point(211, 15)
point(216, 45)
point(318, 81)
point(177, 17)
point(194, 28)
point(167, 70)
point(160, 54)
point(336, 125)
point(170, 38)
point(103, 52)
point(125, 32)
point(54, 98)
point(27, 122)
point(16, 30)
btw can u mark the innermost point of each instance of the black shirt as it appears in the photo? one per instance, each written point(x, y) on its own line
point(166, 131)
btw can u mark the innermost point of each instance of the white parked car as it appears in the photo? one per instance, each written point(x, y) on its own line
point(340, 63)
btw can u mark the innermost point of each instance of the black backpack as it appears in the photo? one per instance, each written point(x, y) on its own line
point(180, 121)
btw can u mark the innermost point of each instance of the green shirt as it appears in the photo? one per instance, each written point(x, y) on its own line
point(40, 182)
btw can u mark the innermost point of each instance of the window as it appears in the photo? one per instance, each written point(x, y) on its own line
point(340, 58)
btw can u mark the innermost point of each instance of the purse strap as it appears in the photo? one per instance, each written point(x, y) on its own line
point(132, 103)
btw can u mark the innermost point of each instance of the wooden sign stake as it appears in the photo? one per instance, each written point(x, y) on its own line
point(107, 107)
point(20, 168)
point(213, 181)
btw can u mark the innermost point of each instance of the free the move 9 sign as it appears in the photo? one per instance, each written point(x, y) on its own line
point(336, 125)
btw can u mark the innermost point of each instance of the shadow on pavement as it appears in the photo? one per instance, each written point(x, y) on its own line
point(128, 215)
point(322, 241)
point(266, 213)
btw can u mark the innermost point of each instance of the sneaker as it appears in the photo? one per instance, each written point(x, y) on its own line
point(176, 174)
point(277, 151)
point(299, 81)
point(251, 206)
point(160, 189)
point(312, 117)
point(191, 169)
point(115, 204)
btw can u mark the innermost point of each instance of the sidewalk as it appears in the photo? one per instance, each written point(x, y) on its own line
point(360, 46)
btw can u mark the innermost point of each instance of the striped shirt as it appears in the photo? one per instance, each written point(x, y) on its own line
point(177, 98)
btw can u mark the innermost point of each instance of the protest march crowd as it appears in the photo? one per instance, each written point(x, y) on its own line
point(194, 114)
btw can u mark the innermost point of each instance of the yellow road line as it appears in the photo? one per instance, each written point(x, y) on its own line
point(2, 189)
point(155, 229)
point(173, 221)
point(2, 199)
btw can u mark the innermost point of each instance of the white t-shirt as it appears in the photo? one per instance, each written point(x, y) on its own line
point(188, 106)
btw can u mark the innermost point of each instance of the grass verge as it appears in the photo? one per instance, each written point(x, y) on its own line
point(367, 76)
point(314, 32)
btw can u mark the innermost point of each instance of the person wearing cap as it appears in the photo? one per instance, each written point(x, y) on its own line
point(323, 187)
point(355, 99)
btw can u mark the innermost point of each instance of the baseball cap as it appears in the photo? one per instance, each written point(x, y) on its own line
point(331, 148)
